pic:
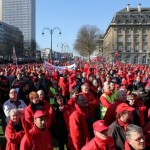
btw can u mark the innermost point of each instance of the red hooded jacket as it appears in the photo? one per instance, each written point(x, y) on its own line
point(99, 144)
point(78, 128)
point(40, 140)
point(13, 137)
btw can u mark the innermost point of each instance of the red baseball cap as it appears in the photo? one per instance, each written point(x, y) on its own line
point(39, 113)
point(100, 126)
point(122, 107)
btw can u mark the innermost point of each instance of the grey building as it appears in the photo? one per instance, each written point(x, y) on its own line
point(10, 36)
point(129, 33)
point(20, 13)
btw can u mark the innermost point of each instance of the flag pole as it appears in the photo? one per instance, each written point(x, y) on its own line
point(14, 56)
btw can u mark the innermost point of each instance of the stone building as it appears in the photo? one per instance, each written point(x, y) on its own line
point(129, 33)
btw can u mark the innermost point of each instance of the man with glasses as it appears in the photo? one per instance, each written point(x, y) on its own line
point(134, 138)
point(13, 103)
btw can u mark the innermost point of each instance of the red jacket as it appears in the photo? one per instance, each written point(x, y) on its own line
point(78, 128)
point(142, 109)
point(72, 81)
point(39, 140)
point(13, 137)
point(71, 101)
point(99, 144)
point(92, 104)
point(29, 113)
point(64, 86)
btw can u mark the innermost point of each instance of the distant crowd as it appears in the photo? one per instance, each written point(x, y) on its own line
point(94, 107)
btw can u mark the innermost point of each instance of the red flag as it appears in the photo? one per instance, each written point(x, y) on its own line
point(116, 54)
point(118, 63)
point(14, 57)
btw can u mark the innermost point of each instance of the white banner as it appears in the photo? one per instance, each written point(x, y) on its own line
point(51, 67)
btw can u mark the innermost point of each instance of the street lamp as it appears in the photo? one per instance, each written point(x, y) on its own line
point(51, 33)
point(62, 46)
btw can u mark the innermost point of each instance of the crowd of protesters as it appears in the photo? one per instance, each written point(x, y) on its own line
point(94, 107)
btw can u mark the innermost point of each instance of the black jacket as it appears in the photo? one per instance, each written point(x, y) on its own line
point(117, 132)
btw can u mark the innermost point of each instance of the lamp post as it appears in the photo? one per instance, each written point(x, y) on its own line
point(62, 46)
point(51, 31)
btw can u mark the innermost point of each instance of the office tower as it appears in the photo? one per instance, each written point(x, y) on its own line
point(21, 14)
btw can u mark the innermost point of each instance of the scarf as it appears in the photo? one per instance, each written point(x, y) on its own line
point(122, 124)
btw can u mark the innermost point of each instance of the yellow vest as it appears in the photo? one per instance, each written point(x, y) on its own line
point(104, 109)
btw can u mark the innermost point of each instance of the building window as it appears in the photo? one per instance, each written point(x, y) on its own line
point(144, 47)
point(144, 38)
point(136, 48)
point(127, 31)
point(119, 31)
point(135, 31)
point(119, 47)
point(136, 39)
point(135, 61)
point(144, 60)
point(127, 39)
point(128, 48)
point(119, 58)
point(127, 59)
point(135, 21)
point(144, 31)
point(119, 38)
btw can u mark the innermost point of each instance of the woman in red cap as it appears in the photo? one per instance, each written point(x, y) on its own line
point(101, 141)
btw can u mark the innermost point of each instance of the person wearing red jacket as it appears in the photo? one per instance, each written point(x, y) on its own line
point(35, 104)
point(72, 81)
point(110, 115)
point(91, 107)
point(74, 93)
point(55, 75)
point(101, 141)
point(138, 114)
point(63, 83)
point(14, 131)
point(77, 123)
point(38, 138)
point(105, 100)
point(91, 101)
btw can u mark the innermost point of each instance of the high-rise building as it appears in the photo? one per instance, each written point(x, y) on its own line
point(129, 34)
point(10, 36)
point(21, 14)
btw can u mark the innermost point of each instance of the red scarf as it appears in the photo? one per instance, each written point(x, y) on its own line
point(127, 147)
point(122, 124)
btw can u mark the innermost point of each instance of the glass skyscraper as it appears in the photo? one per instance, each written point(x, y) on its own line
point(20, 13)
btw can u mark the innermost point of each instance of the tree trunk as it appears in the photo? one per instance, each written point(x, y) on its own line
point(89, 57)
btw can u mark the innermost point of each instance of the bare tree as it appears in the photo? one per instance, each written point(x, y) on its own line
point(86, 41)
